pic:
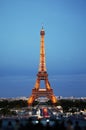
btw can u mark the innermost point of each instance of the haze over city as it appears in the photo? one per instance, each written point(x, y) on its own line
point(64, 22)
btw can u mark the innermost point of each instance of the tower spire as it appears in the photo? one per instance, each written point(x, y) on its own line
point(42, 64)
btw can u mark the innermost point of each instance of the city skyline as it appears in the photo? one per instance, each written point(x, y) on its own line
point(64, 23)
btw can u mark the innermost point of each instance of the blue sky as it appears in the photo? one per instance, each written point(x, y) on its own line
point(64, 23)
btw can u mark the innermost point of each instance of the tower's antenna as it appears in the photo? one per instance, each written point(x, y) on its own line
point(42, 26)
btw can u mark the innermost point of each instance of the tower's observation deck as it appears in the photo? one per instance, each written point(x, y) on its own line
point(42, 75)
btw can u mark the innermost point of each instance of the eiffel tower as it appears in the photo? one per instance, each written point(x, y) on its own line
point(42, 75)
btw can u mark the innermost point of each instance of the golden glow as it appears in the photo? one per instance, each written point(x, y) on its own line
point(48, 86)
point(30, 100)
point(45, 110)
point(42, 65)
point(53, 98)
point(37, 84)
point(42, 75)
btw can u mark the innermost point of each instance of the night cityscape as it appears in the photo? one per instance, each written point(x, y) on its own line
point(43, 65)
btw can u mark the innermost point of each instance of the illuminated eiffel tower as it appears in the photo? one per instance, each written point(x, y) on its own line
point(42, 75)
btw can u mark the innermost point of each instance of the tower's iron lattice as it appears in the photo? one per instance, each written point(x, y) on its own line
point(42, 75)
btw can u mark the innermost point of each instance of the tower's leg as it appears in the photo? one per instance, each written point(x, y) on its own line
point(47, 84)
point(37, 84)
point(33, 96)
point(51, 96)
point(31, 100)
point(53, 99)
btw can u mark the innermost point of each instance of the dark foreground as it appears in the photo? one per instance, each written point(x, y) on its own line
point(33, 123)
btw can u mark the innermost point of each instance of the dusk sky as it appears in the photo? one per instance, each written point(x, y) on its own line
point(64, 22)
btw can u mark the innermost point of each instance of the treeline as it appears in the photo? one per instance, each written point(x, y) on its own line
point(13, 104)
point(65, 103)
point(6, 107)
point(72, 105)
